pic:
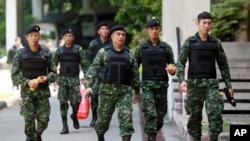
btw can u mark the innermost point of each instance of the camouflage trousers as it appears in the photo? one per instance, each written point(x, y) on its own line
point(198, 93)
point(111, 97)
point(69, 93)
point(94, 96)
point(154, 105)
point(36, 110)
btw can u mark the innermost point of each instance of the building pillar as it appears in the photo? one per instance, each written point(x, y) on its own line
point(11, 22)
point(37, 9)
point(181, 15)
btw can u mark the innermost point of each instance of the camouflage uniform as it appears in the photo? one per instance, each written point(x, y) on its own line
point(34, 104)
point(69, 81)
point(204, 86)
point(94, 46)
point(154, 86)
point(114, 94)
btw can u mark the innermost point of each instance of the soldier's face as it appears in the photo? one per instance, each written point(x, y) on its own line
point(68, 38)
point(204, 25)
point(33, 38)
point(153, 32)
point(118, 37)
point(103, 31)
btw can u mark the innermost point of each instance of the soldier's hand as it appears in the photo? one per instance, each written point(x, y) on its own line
point(171, 69)
point(136, 98)
point(82, 79)
point(183, 86)
point(231, 91)
point(89, 90)
point(43, 79)
point(33, 83)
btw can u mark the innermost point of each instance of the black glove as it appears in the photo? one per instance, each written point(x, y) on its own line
point(229, 98)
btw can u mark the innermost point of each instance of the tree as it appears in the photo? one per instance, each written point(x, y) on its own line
point(229, 18)
point(136, 12)
point(57, 6)
point(2, 21)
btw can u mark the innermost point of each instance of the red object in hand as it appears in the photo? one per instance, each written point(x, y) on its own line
point(83, 110)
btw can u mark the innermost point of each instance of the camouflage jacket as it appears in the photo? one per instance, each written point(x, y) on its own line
point(93, 48)
point(169, 52)
point(82, 64)
point(17, 66)
point(221, 61)
point(100, 60)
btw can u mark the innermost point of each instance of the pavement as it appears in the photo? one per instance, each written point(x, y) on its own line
point(173, 130)
point(169, 132)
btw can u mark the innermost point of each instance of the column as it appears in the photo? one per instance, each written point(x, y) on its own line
point(11, 22)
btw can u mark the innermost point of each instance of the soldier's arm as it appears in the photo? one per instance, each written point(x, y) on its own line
point(138, 55)
point(52, 75)
point(181, 62)
point(135, 75)
point(223, 65)
point(170, 55)
point(56, 62)
point(83, 61)
point(16, 73)
point(89, 54)
point(55, 58)
point(94, 68)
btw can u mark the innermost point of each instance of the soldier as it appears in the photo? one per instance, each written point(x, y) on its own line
point(202, 51)
point(118, 75)
point(94, 46)
point(70, 56)
point(154, 55)
point(33, 69)
point(11, 54)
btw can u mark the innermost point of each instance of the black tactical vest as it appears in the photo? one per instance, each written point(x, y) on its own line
point(202, 57)
point(154, 60)
point(69, 60)
point(95, 49)
point(35, 64)
point(97, 45)
point(118, 67)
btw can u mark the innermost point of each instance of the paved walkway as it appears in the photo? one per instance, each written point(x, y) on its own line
point(169, 132)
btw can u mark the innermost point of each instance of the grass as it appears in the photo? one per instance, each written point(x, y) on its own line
point(226, 127)
point(5, 95)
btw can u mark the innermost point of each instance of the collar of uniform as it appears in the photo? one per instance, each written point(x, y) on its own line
point(150, 43)
point(113, 49)
point(209, 38)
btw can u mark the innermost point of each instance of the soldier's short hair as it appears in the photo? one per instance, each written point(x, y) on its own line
point(204, 15)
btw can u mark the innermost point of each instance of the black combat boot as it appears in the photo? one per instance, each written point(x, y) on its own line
point(152, 137)
point(65, 129)
point(101, 137)
point(75, 121)
point(38, 136)
point(126, 138)
point(94, 118)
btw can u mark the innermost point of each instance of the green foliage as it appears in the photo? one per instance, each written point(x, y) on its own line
point(135, 13)
point(63, 5)
point(2, 51)
point(2, 21)
point(229, 18)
